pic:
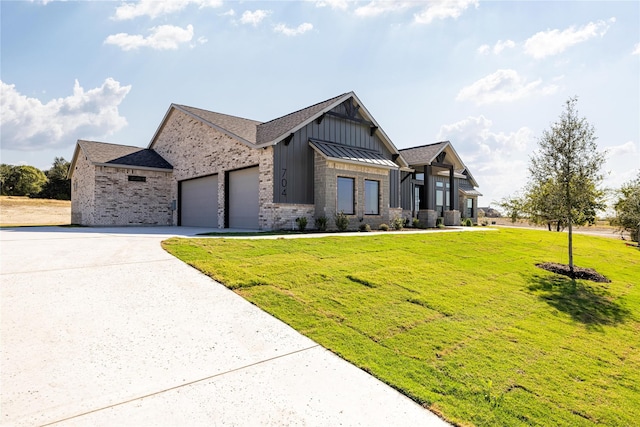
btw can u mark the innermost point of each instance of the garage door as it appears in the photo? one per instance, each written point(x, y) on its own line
point(199, 202)
point(243, 198)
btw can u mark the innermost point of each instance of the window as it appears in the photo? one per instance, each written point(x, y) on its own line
point(441, 196)
point(371, 197)
point(345, 195)
point(469, 208)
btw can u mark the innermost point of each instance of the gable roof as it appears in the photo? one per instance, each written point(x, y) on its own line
point(427, 154)
point(115, 155)
point(424, 154)
point(257, 134)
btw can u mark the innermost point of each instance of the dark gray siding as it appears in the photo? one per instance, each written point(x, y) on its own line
point(293, 162)
point(406, 190)
point(394, 188)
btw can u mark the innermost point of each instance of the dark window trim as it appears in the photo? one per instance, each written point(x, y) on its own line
point(353, 195)
point(377, 197)
point(136, 178)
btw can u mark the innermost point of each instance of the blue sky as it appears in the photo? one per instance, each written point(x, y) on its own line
point(488, 76)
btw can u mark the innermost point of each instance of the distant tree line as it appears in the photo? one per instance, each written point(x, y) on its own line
point(31, 181)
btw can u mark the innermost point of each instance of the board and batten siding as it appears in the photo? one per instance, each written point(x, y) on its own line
point(293, 162)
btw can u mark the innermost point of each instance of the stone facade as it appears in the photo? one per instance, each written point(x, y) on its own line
point(104, 195)
point(195, 149)
point(83, 196)
point(326, 173)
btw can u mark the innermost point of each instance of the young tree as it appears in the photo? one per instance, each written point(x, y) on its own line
point(567, 166)
point(628, 208)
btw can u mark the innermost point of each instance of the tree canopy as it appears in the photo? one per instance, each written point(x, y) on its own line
point(30, 181)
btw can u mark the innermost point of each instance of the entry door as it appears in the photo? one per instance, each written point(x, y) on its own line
point(199, 202)
point(243, 198)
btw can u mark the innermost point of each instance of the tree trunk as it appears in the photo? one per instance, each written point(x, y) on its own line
point(571, 248)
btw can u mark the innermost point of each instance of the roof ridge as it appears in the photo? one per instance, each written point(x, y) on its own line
point(215, 112)
point(112, 143)
point(305, 108)
point(425, 145)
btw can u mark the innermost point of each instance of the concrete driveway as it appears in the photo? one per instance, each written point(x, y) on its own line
point(100, 326)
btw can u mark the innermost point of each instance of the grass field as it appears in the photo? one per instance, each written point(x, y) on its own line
point(18, 211)
point(463, 323)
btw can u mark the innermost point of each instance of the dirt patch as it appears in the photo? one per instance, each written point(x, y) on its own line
point(15, 211)
point(579, 272)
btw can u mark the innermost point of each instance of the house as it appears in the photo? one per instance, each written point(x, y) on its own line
point(213, 170)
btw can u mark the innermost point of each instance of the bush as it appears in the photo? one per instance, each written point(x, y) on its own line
point(342, 221)
point(468, 222)
point(397, 223)
point(439, 222)
point(302, 223)
point(383, 227)
point(365, 227)
point(321, 223)
point(416, 222)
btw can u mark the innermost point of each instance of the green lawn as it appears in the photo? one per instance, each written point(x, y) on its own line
point(463, 323)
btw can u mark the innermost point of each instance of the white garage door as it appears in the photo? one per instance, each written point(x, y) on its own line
point(243, 198)
point(199, 202)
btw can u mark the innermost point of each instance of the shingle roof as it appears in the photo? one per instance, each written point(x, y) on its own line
point(244, 128)
point(273, 129)
point(350, 154)
point(424, 154)
point(105, 153)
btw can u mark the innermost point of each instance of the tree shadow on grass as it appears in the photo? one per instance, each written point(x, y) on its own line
point(593, 305)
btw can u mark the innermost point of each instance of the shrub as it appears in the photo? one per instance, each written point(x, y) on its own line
point(397, 223)
point(321, 223)
point(468, 222)
point(302, 223)
point(439, 222)
point(383, 227)
point(365, 227)
point(416, 222)
point(342, 221)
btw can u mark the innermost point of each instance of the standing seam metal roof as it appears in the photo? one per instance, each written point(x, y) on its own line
point(343, 152)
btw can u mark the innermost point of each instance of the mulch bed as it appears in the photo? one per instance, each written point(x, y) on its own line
point(579, 272)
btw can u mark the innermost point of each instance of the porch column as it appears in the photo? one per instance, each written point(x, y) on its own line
point(427, 214)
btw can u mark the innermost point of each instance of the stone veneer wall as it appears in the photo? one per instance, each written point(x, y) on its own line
point(326, 178)
point(196, 149)
point(83, 192)
point(119, 201)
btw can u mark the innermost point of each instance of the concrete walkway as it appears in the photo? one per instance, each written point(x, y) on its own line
point(101, 327)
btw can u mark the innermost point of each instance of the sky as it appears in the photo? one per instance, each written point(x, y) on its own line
point(488, 76)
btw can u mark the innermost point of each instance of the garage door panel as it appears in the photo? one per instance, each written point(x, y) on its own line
point(243, 198)
point(199, 202)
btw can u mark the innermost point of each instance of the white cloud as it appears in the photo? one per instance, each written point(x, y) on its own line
point(255, 17)
point(626, 149)
point(497, 48)
point(553, 42)
point(497, 160)
point(162, 37)
point(229, 12)
point(503, 86)
point(443, 9)
point(155, 8)
point(333, 4)
point(636, 49)
point(377, 7)
point(28, 124)
point(301, 29)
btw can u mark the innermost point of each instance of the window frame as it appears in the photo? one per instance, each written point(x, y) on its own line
point(338, 194)
point(367, 195)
